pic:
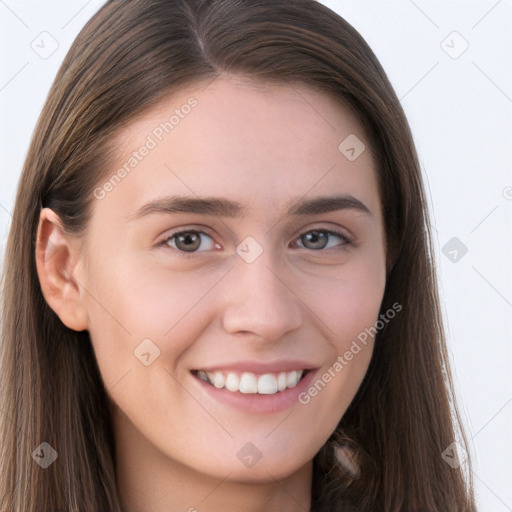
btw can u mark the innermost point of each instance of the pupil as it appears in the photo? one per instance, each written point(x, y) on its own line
point(189, 242)
point(315, 239)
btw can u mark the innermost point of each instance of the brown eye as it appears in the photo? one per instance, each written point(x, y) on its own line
point(315, 239)
point(321, 239)
point(189, 241)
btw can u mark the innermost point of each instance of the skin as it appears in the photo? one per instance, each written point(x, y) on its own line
point(262, 146)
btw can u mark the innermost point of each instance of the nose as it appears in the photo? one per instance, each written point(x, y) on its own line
point(259, 301)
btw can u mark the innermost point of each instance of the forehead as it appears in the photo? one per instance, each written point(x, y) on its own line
point(263, 145)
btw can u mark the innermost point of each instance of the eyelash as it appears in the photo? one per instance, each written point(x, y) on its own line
point(165, 243)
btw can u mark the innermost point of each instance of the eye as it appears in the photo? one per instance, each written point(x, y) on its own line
point(318, 239)
point(190, 241)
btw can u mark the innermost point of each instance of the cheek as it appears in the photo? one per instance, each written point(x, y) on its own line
point(347, 306)
point(347, 303)
point(162, 299)
point(347, 309)
point(127, 306)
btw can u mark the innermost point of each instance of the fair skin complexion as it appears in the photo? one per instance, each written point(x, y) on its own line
point(181, 443)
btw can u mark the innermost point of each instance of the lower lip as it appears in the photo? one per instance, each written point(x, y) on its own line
point(256, 403)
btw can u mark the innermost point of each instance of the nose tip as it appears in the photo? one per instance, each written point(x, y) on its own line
point(260, 302)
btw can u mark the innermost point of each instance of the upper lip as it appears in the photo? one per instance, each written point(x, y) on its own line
point(258, 366)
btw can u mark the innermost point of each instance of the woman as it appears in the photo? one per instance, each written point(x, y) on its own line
point(221, 295)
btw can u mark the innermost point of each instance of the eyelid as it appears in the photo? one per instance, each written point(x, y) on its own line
point(172, 232)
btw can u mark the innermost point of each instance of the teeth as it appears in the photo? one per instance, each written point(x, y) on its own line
point(232, 382)
point(292, 378)
point(218, 380)
point(267, 384)
point(250, 383)
point(281, 381)
point(202, 375)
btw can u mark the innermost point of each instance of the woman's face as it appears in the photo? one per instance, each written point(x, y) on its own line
point(279, 267)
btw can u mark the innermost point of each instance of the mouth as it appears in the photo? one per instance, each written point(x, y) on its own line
point(251, 383)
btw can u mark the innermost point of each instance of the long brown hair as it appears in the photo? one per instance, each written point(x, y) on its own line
point(128, 57)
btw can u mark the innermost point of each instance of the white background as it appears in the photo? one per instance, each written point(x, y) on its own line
point(460, 111)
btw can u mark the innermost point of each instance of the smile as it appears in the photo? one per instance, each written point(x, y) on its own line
point(252, 383)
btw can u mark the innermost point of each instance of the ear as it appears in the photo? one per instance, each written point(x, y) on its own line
point(57, 263)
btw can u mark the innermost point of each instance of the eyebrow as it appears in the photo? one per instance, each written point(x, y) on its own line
point(221, 207)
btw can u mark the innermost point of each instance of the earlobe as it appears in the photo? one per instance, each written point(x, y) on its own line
point(56, 262)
